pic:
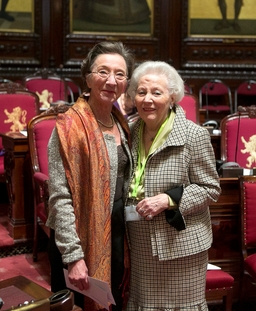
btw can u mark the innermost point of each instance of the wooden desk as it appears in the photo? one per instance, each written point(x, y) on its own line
point(22, 289)
point(27, 286)
point(19, 183)
point(30, 288)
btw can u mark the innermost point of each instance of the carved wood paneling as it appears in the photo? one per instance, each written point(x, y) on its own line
point(23, 49)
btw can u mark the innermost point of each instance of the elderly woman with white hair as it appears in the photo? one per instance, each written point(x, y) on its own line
point(167, 207)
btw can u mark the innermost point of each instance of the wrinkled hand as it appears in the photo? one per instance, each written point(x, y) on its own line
point(152, 206)
point(78, 274)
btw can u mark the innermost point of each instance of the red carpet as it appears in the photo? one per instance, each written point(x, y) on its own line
point(38, 272)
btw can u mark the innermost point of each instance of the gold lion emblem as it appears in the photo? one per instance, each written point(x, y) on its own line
point(250, 147)
point(18, 119)
point(45, 98)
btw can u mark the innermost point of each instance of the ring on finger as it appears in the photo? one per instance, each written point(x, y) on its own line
point(149, 217)
point(141, 210)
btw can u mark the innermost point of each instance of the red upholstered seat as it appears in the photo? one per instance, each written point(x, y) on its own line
point(42, 131)
point(39, 131)
point(16, 110)
point(49, 90)
point(217, 279)
point(248, 226)
point(245, 94)
point(219, 286)
point(238, 136)
point(17, 107)
point(50, 87)
point(215, 97)
point(250, 265)
point(191, 107)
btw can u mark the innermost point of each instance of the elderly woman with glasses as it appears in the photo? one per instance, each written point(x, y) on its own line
point(88, 159)
point(167, 210)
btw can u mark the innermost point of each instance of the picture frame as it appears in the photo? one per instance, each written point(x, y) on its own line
point(112, 17)
point(222, 19)
point(217, 49)
point(17, 16)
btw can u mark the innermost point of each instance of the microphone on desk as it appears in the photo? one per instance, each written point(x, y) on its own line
point(241, 109)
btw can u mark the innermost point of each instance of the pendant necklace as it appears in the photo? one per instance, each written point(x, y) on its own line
point(107, 126)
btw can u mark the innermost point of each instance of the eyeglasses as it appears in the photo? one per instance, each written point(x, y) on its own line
point(120, 76)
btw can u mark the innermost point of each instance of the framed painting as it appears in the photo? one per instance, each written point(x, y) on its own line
point(17, 16)
point(133, 17)
point(222, 18)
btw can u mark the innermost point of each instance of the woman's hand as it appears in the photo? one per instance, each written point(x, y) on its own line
point(150, 207)
point(78, 274)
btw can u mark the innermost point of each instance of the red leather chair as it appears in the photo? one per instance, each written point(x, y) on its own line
point(190, 105)
point(17, 107)
point(215, 97)
point(245, 94)
point(219, 287)
point(39, 132)
point(238, 137)
point(49, 87)
point(248, 227)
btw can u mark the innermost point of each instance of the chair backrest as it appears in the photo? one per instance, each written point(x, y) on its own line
point(39, 132)
point(215, 96)
point(248, 214)
point(238, 138)
point(74, 90)
point(245, 94)
point(190, 105)
point(17, 107)
point(49, 87)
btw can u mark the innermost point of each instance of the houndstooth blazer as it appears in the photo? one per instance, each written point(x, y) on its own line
point(185, 159)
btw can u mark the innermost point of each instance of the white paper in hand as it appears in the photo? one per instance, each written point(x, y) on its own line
point(98, 290)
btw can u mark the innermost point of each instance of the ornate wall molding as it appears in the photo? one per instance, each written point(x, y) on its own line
point(23, 48)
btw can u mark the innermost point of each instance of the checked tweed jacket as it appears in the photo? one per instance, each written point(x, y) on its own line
point(185, 159)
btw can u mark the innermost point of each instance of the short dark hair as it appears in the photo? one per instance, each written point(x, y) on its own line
point(106, 47)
